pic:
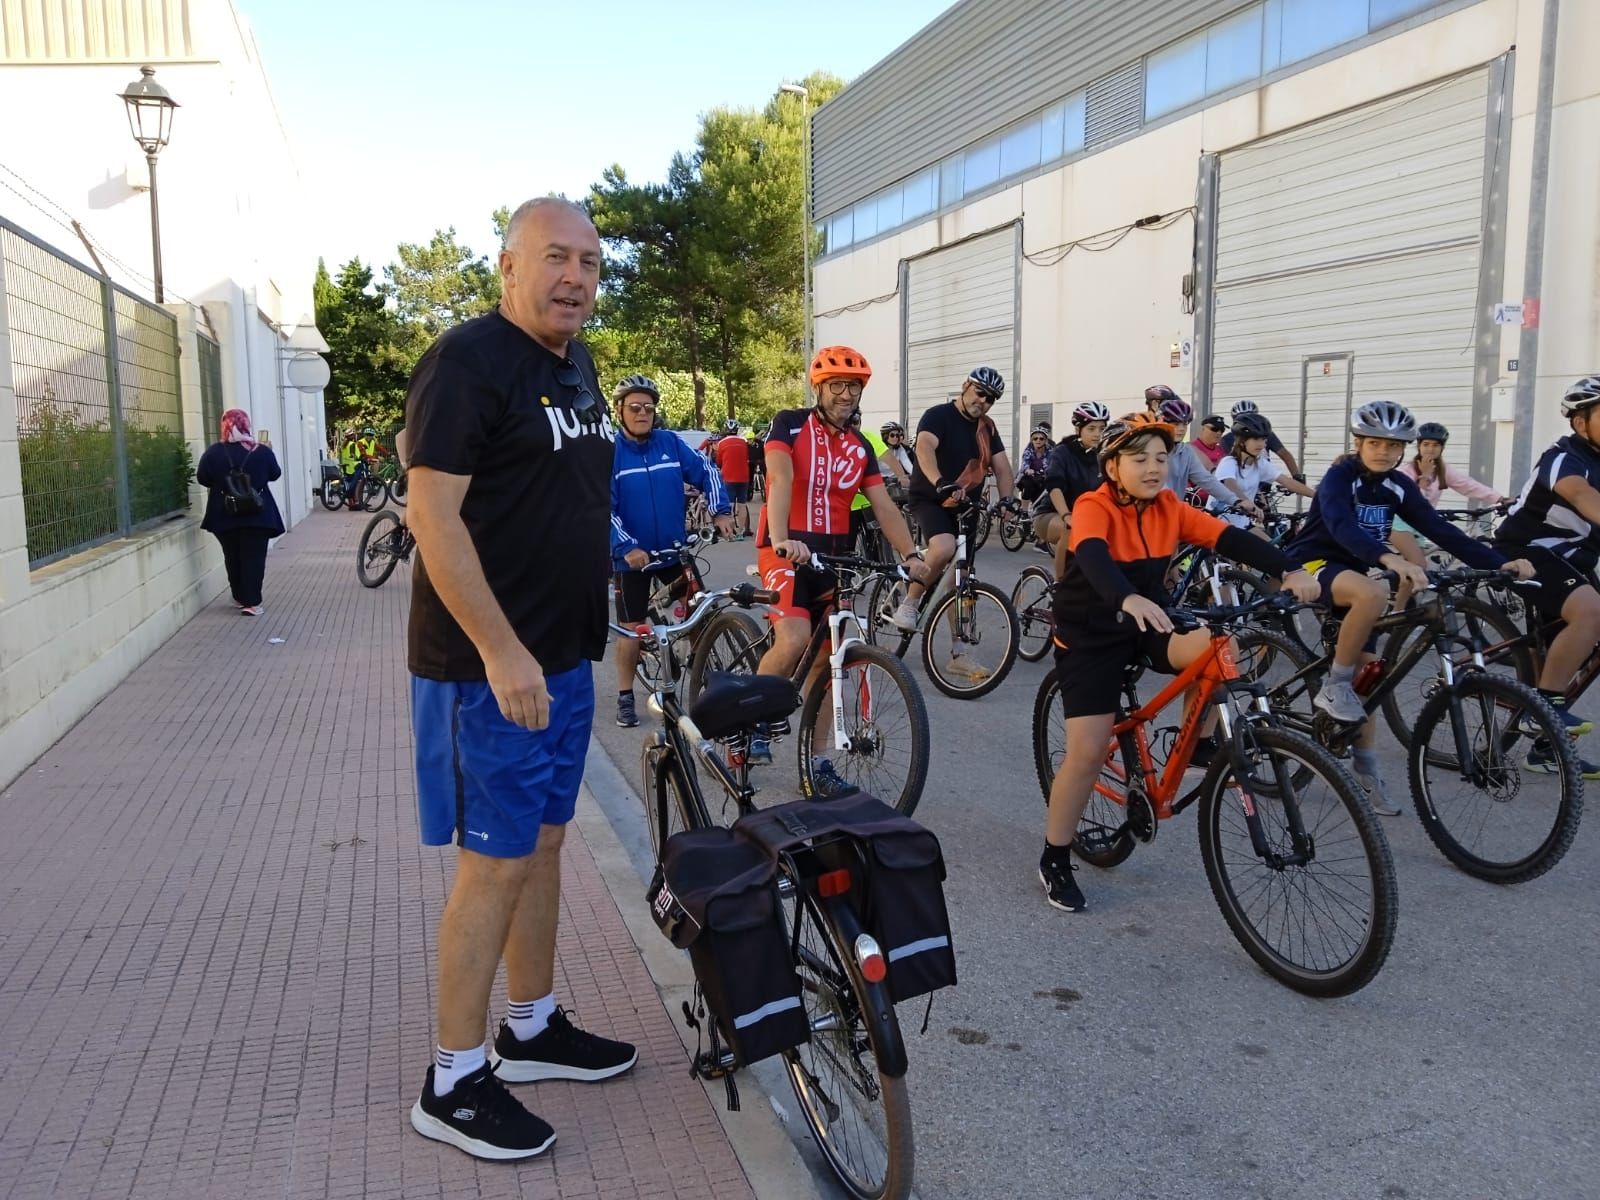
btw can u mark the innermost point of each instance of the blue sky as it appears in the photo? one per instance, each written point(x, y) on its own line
point(405, 120)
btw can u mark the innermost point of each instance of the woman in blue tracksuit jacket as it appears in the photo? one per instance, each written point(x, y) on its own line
point(648, 511)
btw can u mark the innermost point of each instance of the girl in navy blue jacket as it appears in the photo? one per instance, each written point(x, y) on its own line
point(243, 538)
point(1347, 532)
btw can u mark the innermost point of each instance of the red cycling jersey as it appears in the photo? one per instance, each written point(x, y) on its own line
point(830, 467)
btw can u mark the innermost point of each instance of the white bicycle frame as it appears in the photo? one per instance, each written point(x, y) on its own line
point(840, 644)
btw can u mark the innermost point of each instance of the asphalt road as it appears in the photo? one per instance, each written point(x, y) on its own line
point(1133, 1050)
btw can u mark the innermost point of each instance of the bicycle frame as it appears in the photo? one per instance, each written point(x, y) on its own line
point(838, 644)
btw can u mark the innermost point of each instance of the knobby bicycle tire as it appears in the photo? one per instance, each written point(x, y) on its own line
point(869, 726)
point(1506, 789)
point(831, 985)
point(1031, 600)
point(378, 547)
point(1347, 840)
point(733, 641)
point(1488, 625)
point(375, 496)
point(1097, 841)
point(933, 639)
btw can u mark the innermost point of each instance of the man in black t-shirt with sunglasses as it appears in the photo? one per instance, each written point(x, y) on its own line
point(510, 502)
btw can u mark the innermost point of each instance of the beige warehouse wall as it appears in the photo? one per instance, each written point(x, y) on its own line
point(1100, 326)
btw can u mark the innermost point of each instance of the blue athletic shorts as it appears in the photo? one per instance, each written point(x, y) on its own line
point(488, 784)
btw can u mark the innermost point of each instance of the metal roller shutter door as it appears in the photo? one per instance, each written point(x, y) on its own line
point(1348, 260)
point(961, 313)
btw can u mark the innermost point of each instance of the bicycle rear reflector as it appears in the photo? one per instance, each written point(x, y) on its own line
point(833, 883)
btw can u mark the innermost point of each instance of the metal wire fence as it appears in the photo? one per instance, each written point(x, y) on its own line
point(100, 432)
point(210, 359)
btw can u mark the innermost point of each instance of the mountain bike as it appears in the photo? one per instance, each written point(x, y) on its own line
point(394, 480)
point(386, 542)
point(1296, 859)
point(1479, 801)
point(862, 708)
point(969, 632)
point(849, 1076)
point(674, 593)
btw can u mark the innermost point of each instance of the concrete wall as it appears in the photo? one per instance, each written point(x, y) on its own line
point(72, 631)
point(1100, 326)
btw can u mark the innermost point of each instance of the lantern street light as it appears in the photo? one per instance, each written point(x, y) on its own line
point(796, 89)
point(150, 109)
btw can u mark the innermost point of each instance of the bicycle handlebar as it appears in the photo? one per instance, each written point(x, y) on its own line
point(1187, 619)
point(820, 562)
point(745, 595)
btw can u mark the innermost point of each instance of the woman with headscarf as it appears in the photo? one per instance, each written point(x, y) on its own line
point(243, 534)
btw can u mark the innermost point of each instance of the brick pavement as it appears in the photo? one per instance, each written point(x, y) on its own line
point(216, 936)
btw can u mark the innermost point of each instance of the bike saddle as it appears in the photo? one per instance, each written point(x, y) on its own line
point(738, 703)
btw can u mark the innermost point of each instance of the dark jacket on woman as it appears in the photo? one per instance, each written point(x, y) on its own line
point(262, 466)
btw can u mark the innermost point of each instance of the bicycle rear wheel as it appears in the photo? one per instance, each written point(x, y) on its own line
point(1032, 599)
point(969, 642)
point(332, 494)
point(1512, 812)
point(1014, 530)
point(885, 728)
point(379, 552)
point(1100, 839)
point(859, 1115)
point(1318, 917)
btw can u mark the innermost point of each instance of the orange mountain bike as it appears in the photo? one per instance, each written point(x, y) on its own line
point(1296, 859)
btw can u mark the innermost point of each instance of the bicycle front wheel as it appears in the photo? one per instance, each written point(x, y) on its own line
point(859, 1115)
point(884, 749)
point(1014, 530)
point(670, 795)
point(732, 641)
point(887, 594)
point(1031, 601)
point(1317, 910)
point(1510, 813)
point(332, 496)
point(378, 554)
point(969, 643)
point(397, 490)
point(376, 495)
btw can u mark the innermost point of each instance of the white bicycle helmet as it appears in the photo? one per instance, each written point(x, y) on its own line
point(1581, 395)
point(1089, 410)
point(1384, 419)
point(1242, 407)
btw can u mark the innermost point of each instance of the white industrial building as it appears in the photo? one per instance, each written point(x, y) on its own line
point(1307, 203)
point(86, 595)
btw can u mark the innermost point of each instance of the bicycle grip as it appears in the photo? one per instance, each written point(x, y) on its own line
point(765, 596)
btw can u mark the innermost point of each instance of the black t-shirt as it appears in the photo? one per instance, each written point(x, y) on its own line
point(958, 446)
point(484, 401)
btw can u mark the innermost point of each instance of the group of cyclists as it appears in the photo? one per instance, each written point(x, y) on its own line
point(1113, 502)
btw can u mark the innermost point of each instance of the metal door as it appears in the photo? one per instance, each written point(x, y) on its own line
point(1327, 390)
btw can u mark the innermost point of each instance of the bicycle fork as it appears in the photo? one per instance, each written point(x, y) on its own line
point(1304, 845)
point(838, 645)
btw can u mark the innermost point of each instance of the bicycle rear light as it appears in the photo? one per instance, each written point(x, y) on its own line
point(833, 883)
point(870, 957)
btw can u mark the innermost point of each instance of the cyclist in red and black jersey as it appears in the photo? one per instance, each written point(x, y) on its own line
point(815, 466)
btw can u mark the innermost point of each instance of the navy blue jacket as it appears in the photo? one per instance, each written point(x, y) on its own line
point(647, 503)
point(263, 467)
point(1352, 516)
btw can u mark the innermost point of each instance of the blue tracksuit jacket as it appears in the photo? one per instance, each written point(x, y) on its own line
point(647, 505)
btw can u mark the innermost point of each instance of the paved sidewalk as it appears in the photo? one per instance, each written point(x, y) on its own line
point(216, 936)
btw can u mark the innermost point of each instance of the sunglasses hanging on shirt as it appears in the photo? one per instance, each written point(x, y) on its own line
point(584, 405)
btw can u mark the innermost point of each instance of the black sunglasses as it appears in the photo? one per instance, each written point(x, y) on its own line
point(584, 405)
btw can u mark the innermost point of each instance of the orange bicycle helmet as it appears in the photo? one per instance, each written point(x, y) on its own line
point(1124, 429)
point(839, 362)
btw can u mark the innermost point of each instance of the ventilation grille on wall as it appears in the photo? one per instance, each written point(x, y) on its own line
point(1114, 105)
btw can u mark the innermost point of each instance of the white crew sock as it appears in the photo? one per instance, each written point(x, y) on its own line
point(451, 1066)
point(528, 1018)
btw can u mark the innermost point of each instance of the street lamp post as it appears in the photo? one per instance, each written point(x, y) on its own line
point(150, 109)
point(795, 89)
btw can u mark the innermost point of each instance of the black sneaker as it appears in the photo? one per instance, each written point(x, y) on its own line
point(627, 718)
point(826, 780)
point(562, 1051)
point(480, 1117)
point(1060, 888)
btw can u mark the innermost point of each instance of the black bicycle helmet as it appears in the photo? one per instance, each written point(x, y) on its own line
point(636, 383)
point(1432, 431)
point(889, 427)
point(1384, 419)
point(1251, 425)
point(988, 381)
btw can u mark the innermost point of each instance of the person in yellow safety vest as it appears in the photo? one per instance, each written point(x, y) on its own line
point(354, 456)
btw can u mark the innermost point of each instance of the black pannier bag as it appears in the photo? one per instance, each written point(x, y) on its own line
point(716, 895)
point(904, 907)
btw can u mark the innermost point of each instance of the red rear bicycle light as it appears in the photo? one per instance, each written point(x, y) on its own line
point(833, 883)
point(873, 966)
